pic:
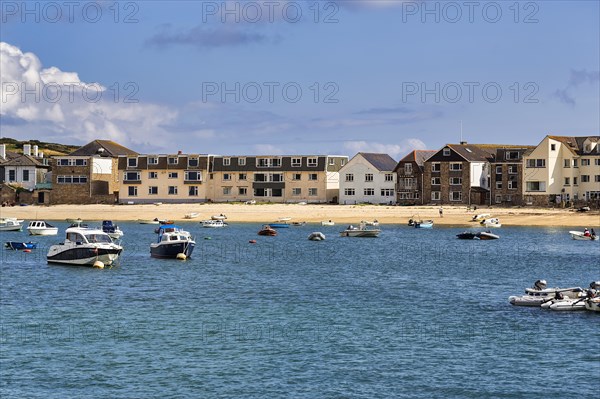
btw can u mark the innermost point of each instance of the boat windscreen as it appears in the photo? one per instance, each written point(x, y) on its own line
point(98, 238)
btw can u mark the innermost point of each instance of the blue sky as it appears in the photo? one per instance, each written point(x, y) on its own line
point(383, 76)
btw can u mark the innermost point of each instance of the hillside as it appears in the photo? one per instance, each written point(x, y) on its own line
point(49, 149)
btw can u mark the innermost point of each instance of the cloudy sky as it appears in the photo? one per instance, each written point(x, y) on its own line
point(260, 77)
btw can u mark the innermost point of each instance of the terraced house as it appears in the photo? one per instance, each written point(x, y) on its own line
point(506, 185)
point(270, 178)
point(562, 171)
point(175, 178)
point(368, 178)
point(410, 178)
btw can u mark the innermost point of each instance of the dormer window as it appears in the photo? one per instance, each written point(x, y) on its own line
point(446, 152)
point(226, 161)
point(193, 162)
point(132, 162)
point(173, 160)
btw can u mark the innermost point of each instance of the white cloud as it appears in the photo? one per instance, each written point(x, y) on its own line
point(394, 150)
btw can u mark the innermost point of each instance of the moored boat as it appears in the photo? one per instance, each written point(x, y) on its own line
point(10, 224)
point(41, 228)
point(153, 221)
point(487, 235)
point(191, 215)
point(218, 217)
point(360, 231)
point(267, 230)
point(467, 235)
point(328, 223)
point(539, 294)
point(491, 222)
point(592, 304)
point(17, 245)
point(111, 229)
point(173, 242)
point(213, 223)
point(85, 247)
point(423, 224)
point(370, 223)
point(316, 236)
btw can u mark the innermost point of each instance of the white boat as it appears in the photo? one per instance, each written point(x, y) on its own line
point(539, 294)
point(213, 223)
point(281, 220)
point(218, 217)
point(85, 247)
point(10, 224)
point(191, 215)
point(251, 202)
point(153, 221)
point(361, 231)
point(578, 235)
point(480, 217)
point(487, 235)
point(492, 222)
point(327, 223)
point(316, 236)
point(111, 229)
point(371, 223)
point(568, 304)
point(592, 304)
point(173, 242)
point(41, 228)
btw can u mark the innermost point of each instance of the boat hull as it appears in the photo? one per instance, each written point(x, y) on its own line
point(43, 232)
point(360, 233)
point(171, 250)
point(11, 227)
point(593, 305)
point(577, 235)
point(83, 256)
point(17, 246)
point(279, 225)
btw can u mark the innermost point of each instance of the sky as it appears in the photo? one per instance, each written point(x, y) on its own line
point(298, 77)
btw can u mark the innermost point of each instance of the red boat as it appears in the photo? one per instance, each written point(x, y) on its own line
point(267, 231)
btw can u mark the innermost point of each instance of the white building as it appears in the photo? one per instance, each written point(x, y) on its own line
point(22, 170)
point(562, 169)
point(368, 178)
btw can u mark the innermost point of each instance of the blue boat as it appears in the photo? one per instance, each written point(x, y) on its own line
point(17, 246)
point(279, 225)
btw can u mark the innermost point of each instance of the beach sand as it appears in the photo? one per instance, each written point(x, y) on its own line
point(311, 213)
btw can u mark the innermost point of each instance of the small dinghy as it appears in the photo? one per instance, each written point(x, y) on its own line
point(539, 294)
point(316, 236)
point(480, 217)
point(423, 224)
point(584, 236)
point(487, 235)
point(18, 246)
point(218, 217)
point(492, 222)
point(327, 223)
point(267, 231)
point(467, 235)
point(191, 215)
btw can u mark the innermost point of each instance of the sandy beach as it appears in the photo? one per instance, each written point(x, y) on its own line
point(340, 214)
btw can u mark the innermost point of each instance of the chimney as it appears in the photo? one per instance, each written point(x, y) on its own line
point(26, 149)
point(41, 154)
point(463, 143)
point(35, 151)
point(179, 152)
point(2, 151)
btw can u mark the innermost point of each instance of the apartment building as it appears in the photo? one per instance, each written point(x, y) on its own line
point(410, 177)
point(506, 177)
point(368, 178)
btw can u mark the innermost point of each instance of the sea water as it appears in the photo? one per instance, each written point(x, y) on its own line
point(415, 313)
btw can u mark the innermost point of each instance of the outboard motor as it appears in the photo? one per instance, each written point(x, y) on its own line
point(595, 285)
point(540, 285)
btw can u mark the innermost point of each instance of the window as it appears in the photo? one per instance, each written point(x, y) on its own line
point(297, 176)
point(408, 168)
point(512, 169)
point(552, 147)
point(389, 177)
point(276, 177)
point(226, 176)
point(369, 177)
point(567, 181)
point(132, 191)
point(173, 175)
point(436, 195)
point(499, 185)
point(312, 162)
point(436, 181)
point(172, 190)
point(153, 190)
point(243, 176)
point(25, 175)
point(369, 191)
point(446, 152)
point(574, 181)
point(296, 191)
point(71, 179)
point(152, 160)
point(387, 192)
point(268, 162)
point(575, 163)
point(211, 176)
point(567, 163)
point(193, 191)
point(536, 163)
point(436, 167)
point(597, 160)
point(242, 161)
point(132, 162)
point(296, 162)
point(508, 198)
point(12, 175)
point(536, 186)
point(349, 177)
point(193, 162)
point(349, 191)
point(192, 175)
point(455, 195)
point(172, 160)
point(597, 178)
point(498, 199)
point(312, 192)
point(152, 175)
point(259, 177)
point(132, 176)
point(344, 162)
point(226, 190)
point(455, 165)
point(585, 162)
point(312, 177)
point(331, 161)
point(226, 161)
point(511, 155)
point(499, 169)
point(456, 181)
point(72, 162)
point(242, 191)
point(585, 178)
point(512, 185)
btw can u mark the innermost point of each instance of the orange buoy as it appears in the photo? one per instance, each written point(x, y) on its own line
point(27, 250)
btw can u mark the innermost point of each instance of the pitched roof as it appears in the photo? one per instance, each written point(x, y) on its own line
point(10, 155)
point(381, 162)
point(574, 143)
point(473, 152)
point(106, 147)
point(24, 160)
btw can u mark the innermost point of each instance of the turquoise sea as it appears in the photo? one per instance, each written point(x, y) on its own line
point(411, 314)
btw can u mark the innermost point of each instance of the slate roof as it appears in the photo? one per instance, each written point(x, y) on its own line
point(381, 162)
point(575, 143)
point(110, 148)
point(25, 160)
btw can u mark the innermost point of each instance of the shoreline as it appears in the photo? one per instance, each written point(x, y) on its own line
point(310, 213)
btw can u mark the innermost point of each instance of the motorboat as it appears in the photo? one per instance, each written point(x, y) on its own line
point(480, 217)
point(491, 222)
point(213, 223)
point(153, 221)
point(191, 215)
point(298, 224)
point(281, 223)
point(85, 247)
point(371, 223)
point(487, 235)
point(17, 245)
point(41, 228)
point(10, 224)
point(111, 229)
point(581, 236)
point(423, 224)
point(360, 231)
point(316, 236)
point(218, 217)
point(567, 304)
point(173, 242)
point(467, 235)
point(267, 230)
point(72, 220)
point(539, 294)
point(328, 223)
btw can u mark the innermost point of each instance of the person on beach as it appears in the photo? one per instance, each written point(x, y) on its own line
point(441, 212)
